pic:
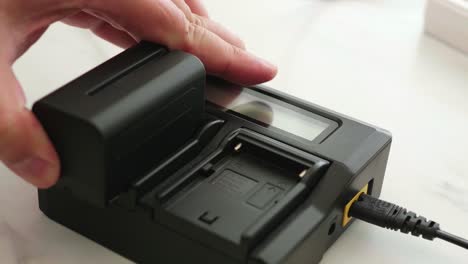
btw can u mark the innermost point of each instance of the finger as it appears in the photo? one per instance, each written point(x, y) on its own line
point(197, 7)
point(173, 29)
point(218, 29)
point(159, 21)
point(209, 24)
point(82, 20)
point(225, 60)
point(113, 35)
point(101, 28)
point(24, 146)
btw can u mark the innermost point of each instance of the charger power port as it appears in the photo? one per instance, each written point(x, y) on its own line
point(346, 217)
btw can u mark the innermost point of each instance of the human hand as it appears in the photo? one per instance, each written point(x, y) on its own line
point(178, 24)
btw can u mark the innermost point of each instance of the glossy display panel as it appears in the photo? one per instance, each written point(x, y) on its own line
point(267, 111)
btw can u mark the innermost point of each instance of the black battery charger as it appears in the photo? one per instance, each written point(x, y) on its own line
point(163, 164)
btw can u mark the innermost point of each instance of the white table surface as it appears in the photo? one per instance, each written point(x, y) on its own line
point(365, 58)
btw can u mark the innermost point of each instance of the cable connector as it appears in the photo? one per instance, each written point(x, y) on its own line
point(394, 217)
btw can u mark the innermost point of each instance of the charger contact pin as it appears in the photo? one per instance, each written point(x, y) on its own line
point(238, 147)
point(303, 173)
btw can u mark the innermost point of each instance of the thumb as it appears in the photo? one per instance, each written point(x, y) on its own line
point(24, 146)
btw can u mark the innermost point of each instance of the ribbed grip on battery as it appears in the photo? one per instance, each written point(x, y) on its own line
point(391, 216)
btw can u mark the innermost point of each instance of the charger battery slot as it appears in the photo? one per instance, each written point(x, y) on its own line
point(240, 193)
point(173, 163)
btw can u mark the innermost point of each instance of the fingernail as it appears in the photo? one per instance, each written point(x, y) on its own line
point(35, 170)
point(267, 63)
point(272, 67)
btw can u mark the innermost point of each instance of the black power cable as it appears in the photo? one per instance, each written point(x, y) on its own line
point(452, 239)
point(391, 216)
